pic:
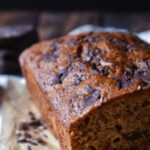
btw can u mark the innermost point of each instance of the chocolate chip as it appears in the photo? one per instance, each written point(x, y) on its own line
point(50, 57)
point(61, 75)
point(90, 99)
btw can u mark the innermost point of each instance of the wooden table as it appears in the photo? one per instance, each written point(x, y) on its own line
point(53, 24)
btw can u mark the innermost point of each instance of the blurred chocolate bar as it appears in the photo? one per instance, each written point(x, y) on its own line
point(14, 39)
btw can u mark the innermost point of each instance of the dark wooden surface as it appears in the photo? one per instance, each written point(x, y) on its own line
point(53, 24)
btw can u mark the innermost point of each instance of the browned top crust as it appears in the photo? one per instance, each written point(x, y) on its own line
point(78, 73)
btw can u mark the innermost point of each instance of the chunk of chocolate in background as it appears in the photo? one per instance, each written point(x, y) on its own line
point(13, 40)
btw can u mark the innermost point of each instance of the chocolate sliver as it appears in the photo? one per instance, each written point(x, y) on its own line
point(61, 75)
point(50, 57)
point(144, 77)
point(90, 99)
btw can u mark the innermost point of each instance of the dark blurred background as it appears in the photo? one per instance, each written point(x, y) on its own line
point(76, 4)
point(24, 22)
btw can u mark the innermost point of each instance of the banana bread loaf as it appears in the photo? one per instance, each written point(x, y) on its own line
point(92, 89)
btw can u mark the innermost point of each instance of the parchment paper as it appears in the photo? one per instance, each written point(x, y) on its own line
point(16, 104)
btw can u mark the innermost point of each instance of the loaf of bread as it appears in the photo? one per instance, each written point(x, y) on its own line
point(92, 89)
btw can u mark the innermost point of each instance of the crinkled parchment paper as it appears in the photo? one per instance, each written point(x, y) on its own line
point(16, 105)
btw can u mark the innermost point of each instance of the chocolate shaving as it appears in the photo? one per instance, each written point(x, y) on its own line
point(28, 148)
point(74, 42)
point(124, 83)
point(27, 130)
point(54, 46)
point(90, 99)
point(27, 135)
point(41, 141)
point(103, 71)
point(23, 126)
point(32, 116)
point(145, 65)
point(92, 39)
point(78, 81)
point(144, 76)
point(50, 57)
point(58, 79)
point(27, 141)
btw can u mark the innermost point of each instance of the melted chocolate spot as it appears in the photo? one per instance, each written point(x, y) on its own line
point(90, 99)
